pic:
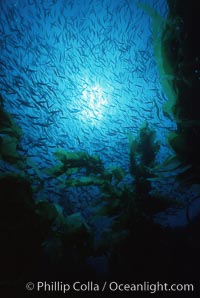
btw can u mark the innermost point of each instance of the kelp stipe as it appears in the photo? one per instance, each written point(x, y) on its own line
point(142, 155)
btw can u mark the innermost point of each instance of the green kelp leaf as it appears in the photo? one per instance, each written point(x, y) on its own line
point(107, 176)
point(143, 150)
point(7, 125)
point(59, 170)
point(109, 191)
point(72, 171)
point(147, 146)
point(171, 167)
point(46, 211)
point(49, 213)
point(76, 224)
point(164, 68)
point(61, 182)
point(9, 139)
point(7, 131)
point(8, 150)
point(60, 216)
point(117, 172)
point(132, 142)
point(178, 144)
point(91, 163)
point(130, 137)
point(70, 157)
point(72, 162)
point(150, 11)
point(59, 209)
point(78, 236)
point(94, 164)
point(85, 181)
point(95, 158)
point(170, 164)
point(132, 153)
point(54, 171)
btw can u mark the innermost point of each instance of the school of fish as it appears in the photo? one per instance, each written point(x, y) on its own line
point(81, 75)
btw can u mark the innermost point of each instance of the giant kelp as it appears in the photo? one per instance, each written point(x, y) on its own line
point(66, 237)
point(166, 74)
point(28, 224)
point(7, 124)
point(66, 241)
point(33, 230)
point(73, 162)
point(132, 205)
point(10, 134)
point(90, 169)
point(142, 155)
point(123, 201)
point(181, 53)
point(177, 60)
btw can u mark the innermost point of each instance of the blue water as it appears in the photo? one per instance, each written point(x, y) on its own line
point(80, 75)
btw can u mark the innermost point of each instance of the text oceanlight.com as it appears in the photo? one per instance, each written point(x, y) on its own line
point(112, 286)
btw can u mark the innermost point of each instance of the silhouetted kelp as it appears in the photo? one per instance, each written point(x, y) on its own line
point(133, 243)
point(177, 57)
point(9, 139)
point(143, 151)
point(69, 239)
point(32, 232)
point(181, 57)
